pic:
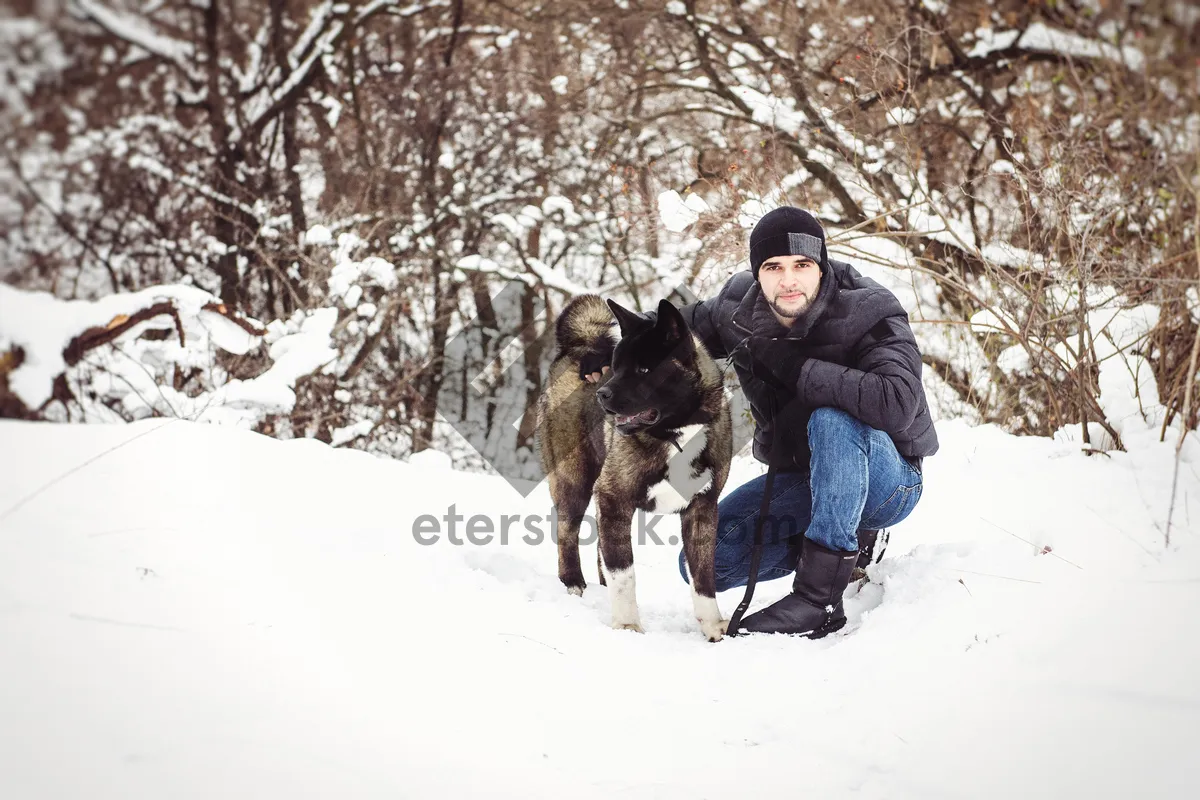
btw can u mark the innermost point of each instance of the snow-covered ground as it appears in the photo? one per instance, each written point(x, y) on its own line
point(205, 612)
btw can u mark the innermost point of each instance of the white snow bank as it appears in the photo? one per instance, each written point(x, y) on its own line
point(206, 612)
point(134, 377)
point(43, 325)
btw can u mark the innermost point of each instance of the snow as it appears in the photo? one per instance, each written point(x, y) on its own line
point(751, 211)
point(1040, 37)
point(194, 610)
point(258, 619)
point(228, 335)
point(294, 356)
point(319, 17)
point(1009, 255)
point(43, 325)
point(349, 275)
point(901, 116)
point(537, 272)
point(131, 377)
point(1128, 393)
point(29, 54)
point(557, 204)
point(678, 214)
point(318, 234)
point(340, 436)
point(1192, 295)
point(992, 320)
point(772, 112)
point(519, 225)
point(1014, 358)
point(138, 31)
point(988, 40)
point(140, 161)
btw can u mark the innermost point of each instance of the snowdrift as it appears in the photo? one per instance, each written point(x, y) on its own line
point(196, 611)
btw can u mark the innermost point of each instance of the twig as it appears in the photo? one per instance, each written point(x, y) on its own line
point(837, 236)
point(535, 641)
point(94, 337)
point(13, 508)
point(1031, 544)
point(989, 575)
point(1190, 377)
point(61, 219)
point(236, 319)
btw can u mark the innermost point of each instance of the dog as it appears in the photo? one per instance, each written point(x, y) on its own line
point(654, 434)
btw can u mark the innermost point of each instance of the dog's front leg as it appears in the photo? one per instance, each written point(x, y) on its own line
point(616, 551)
point(698, 524)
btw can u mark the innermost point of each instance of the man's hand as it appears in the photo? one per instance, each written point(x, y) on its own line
point(595, 365)
point(592, 377)
point(777, 362)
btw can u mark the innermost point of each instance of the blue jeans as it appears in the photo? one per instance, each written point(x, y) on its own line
point(856, 480)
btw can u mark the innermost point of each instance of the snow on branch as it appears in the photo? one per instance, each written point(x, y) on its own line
point(99, 335)
point(538, 273)
point(139, 32)
point(128, 356)
point(316, 26)
point(328, 27)
point(139, 161)
point(1039, 37)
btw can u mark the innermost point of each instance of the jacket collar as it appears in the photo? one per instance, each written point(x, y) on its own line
point(754, 316)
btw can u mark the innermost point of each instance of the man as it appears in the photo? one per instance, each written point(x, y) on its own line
point(832, 373)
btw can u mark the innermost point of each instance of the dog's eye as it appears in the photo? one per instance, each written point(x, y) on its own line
point(642, 370)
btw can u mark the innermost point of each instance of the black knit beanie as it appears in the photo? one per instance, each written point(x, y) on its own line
point(787, 231)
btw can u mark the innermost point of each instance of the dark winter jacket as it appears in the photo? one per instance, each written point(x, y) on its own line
point(861, 358)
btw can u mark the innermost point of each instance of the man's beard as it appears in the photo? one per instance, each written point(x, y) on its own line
point(792, 313)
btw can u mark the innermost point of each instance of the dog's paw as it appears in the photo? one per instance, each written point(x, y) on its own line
point(577, 591)
point(714, 631)
point(627, 626)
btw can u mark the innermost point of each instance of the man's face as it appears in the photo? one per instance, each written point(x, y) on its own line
point(789, 283)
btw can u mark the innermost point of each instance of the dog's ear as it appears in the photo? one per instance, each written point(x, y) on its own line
point(628, 320)
point(672, 324)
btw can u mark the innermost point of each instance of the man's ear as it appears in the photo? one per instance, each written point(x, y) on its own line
point(672, 325)
point(628, 320)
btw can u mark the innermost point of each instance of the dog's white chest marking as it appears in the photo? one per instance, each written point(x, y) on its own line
point(681, 483)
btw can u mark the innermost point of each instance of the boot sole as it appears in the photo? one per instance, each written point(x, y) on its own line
point(833, 626)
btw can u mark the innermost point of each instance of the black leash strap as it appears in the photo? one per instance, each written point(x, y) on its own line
point(773, 458)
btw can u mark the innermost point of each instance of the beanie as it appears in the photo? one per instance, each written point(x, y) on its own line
point(787, 231)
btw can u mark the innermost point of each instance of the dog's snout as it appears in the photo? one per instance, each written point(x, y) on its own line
point(604, 394)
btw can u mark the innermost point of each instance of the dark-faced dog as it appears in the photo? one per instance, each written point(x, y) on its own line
point(654, 434)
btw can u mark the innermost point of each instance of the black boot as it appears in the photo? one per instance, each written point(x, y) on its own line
point(814, 608)
point(866, 548)
point(868, 541)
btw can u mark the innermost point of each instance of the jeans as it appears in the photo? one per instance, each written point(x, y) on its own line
point(856, 480)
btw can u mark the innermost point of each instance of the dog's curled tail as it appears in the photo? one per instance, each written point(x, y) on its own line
point(585, 321)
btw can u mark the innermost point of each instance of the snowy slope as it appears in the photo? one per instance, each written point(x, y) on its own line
point(205, 612)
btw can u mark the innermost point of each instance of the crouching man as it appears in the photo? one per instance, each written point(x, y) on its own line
point(832, 374)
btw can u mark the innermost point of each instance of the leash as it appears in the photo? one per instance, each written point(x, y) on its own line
point(735, 620)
